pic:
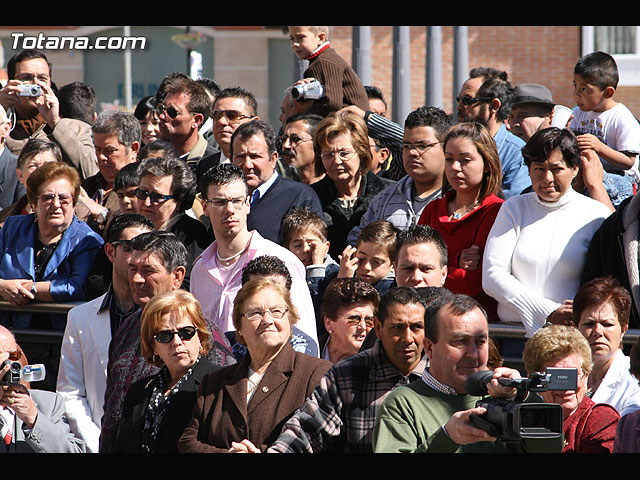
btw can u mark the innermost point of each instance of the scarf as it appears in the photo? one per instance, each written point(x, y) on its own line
point(318, 51)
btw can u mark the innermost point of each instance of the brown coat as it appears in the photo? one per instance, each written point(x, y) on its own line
point(221, 414)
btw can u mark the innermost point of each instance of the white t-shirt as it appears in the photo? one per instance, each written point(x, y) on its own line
point(616, 127)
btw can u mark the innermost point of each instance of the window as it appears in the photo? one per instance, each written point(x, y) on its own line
point(620, 41)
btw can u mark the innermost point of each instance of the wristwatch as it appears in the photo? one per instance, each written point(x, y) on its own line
point(102, 216)
point(33, 289)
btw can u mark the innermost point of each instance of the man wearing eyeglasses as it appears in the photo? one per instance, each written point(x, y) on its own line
point(185, 107)
point(217, 274)
point(156, 265)
point(487, 97)
point(82, 375)
point(423, 159)
point(297, 146)
point(38, 116)
point(12, 188)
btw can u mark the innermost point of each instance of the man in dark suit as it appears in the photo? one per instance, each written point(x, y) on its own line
point(253, 149)
point(31, 421)
point(10, 188)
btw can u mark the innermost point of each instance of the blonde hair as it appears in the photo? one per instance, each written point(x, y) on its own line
point(180, 304)
point(252, 288)
point(553, 343)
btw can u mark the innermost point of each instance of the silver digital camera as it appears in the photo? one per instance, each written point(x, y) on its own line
point(29, 90)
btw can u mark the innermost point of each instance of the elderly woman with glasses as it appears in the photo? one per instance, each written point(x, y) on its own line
point(342, 151)
point(242, 408)
point(174, 337)
point(46, 255)
point(588, 427)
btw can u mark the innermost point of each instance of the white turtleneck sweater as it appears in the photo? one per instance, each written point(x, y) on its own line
point(535, 254)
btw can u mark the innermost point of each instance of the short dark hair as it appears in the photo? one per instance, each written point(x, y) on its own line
point(459, 305)
point(374, 92)
point(417, 234)
point(19, 57)
point(222, 174)
point(502, 90)
point(311, 120)
point(123, 125)
point(428, 116)
point(199, 99)
point(600, 291)
point(144, 106)
point(398, 295)
point(431, 293)
point(184, 183)
point(126, 220)
point(264, 266)
point(35, 146)
point(488, 72)
point(165, 245)
point(600, 68)
point(158, 148)
point(243, 94)
point(255, 127)
point(346, 291)
point(300, 219)
point(383, 233)
point(545, 141)
point(127, 177)
point(77, 101)
point(210, 84)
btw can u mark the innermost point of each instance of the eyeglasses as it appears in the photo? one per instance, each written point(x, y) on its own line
point(294, 139)
point(276, 313)
point(125, 244)
point(223, 202)
point(419, 147)
point(184, 333)
point(233, 116)
point(15, 355)
point(468, 101)
point(343, 154)
point(355, 320)
point(173, 112)
point(31, 78)
point(154, 196)
point(48, 198)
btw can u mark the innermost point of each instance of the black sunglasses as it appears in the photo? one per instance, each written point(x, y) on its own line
point(468, 101)
point(184, 333)
point(173, 112)
point(154, 196)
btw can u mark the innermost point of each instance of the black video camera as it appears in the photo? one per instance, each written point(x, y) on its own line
point(514, 420)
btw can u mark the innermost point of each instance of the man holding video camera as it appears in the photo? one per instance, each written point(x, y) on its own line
point(434, 414)
point(31, 421)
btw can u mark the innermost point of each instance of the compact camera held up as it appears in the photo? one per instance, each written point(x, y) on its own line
point(513, 420)
point(30, 90)
point(16, 373)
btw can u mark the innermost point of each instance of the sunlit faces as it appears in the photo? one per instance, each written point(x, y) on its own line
point(463, 166)
point(304, 42)
point(426, 165)
point(158, 212)
point(227, 221)
point(472, 112)
point(552, 178)
point(55, 205)
point(601, 327)
point(525, 120)
point(374, 262)
point(377, 106)
point(178, 355)
point(266, 333)
point(33, 70)
point(567, 399)
point(184, 124)
point(461, 349)
point(112, 155)
point(223, 128)
point(402, 335)
point(350, 326)
point(308, 245)
point(419, 265)
point(297, 146)
point(588, 96)
point(149, 277)
point(150, 126)
point(339, 158)
point(127, 200)
point(120, 253)
point(253, 157)
point(32, 163)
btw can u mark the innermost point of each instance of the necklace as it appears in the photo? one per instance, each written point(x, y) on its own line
point(458, 215)
point(234, 256)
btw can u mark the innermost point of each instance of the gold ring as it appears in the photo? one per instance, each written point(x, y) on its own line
point(11, 400)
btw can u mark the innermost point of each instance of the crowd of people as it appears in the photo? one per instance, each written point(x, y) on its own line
point(322, 285)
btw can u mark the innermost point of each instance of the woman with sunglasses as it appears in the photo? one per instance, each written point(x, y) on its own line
point(45, 256)
point(471, 198)
point(342, 151)
point(174, 337)
point(242, 408)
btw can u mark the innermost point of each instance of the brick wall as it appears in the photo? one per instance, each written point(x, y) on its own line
point(531, 54)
